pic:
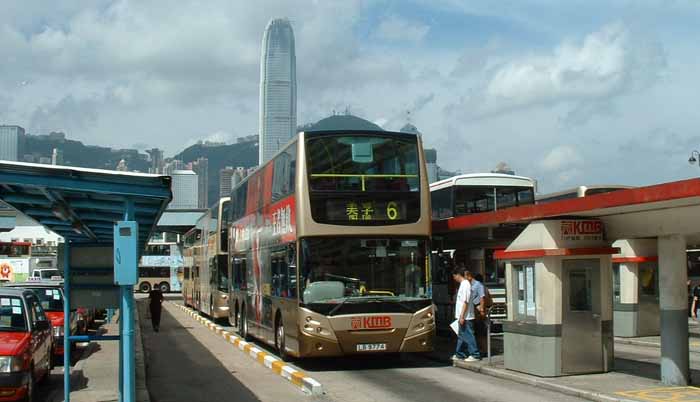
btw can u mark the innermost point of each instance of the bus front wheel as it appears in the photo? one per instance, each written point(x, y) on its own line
point(164, 287)
point(145, 287)
point(280, 339)
point(243, 325)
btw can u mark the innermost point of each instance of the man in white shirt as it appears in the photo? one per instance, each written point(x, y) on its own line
point(464, 313)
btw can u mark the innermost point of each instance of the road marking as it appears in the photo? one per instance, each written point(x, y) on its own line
point(277, 366)
point(675, 394)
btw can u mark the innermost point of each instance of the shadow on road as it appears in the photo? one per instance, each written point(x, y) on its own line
point(180, 368)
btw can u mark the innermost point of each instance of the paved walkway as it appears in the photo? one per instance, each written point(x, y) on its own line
point(636, 377)
point(95, 377)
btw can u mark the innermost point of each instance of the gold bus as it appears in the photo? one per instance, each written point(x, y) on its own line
point(207, 281)
point(191, 246)
point(329, 247)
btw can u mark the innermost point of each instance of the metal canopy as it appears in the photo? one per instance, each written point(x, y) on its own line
point(80, 204)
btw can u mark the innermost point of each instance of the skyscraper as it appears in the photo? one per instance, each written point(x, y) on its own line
point(201, 167)
point(225, 176)
point(156, 160)
point(57, 157)
point(11, 140)
point(184, 187)
point(278, 88)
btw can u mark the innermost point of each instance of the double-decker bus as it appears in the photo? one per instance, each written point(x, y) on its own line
point(206, 272)
point(578, 192)
point(191, 245)
point(471, 194)
point(329, 250)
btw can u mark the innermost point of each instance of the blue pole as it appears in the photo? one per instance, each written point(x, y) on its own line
point(128, 339)
point(127, 321)
point(121, 345)
point(66, 322)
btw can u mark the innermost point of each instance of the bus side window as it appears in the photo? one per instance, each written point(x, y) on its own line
point(291, 282)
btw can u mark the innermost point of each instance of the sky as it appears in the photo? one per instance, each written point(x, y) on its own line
point(569, 93)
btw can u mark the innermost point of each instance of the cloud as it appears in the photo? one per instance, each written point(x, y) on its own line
point(68, 114)
point(604, 65)
point(395, 28)
point(561, 157)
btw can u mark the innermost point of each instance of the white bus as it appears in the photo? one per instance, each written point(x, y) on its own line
point(471, 194)
point(578, 192)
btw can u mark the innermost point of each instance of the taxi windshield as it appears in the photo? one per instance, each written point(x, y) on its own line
point(12, 314)
point(50, 298)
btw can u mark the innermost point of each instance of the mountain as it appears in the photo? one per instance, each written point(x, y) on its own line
point(240, 154)
point(75, 153)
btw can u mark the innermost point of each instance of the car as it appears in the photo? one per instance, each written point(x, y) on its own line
point(46, 274)
point(50, 295)
point(25, 344)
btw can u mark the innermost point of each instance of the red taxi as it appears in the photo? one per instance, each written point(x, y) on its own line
point(25, 344)
point(50, 295)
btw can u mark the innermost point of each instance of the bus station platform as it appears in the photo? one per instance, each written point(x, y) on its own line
point(635, 376)
point(93, 375)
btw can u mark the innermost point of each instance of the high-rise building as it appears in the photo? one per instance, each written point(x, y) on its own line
point(156, 160)
point(431, 166)
point(278, 88)
point(238, 175)
point(201, 167)
point(173, 165)
point(11, 143)
point(185, 190)
point(122, 166)
point(57, 157)
point(225, 180)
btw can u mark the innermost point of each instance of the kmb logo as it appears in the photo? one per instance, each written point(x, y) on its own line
point(581, 227)
point(374, 322)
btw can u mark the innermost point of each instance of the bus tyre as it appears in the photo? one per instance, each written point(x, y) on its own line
point(145, 287)
point(279, 340)
point(164, 287)
point(243, 326)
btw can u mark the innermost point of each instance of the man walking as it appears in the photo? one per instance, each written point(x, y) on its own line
point(478, 300)
point(464, 313)
point(155, 299)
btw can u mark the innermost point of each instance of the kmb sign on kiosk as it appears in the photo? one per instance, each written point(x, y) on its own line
point(560, 299)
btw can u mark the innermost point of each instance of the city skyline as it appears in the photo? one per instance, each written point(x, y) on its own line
point(278, 88)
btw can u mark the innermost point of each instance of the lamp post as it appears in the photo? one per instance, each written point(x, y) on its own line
point(694, 156)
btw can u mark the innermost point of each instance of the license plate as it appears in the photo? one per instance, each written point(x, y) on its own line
point(371, 347)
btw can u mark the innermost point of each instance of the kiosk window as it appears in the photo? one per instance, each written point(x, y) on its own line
point(616, 282)
point(524, 278)
point(648, 279)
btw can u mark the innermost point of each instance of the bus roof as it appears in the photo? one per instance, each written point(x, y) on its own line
point(483, 179)
point(575, 190)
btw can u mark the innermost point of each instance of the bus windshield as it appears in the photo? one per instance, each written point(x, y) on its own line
point(335, 270)
point(363, 163)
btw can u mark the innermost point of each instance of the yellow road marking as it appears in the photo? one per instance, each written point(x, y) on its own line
point(665, 394)
point(277, 366)
point(247, 347)
point(261, 357)
point(298, 378)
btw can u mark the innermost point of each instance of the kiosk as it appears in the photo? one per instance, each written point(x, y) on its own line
point(560, 303)
point(636, 288)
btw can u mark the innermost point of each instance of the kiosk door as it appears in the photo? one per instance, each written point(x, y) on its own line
point(581, 340)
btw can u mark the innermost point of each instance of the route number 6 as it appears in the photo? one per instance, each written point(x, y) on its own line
point(392, 211)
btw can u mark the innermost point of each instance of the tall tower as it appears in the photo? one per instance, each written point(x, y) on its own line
point(278, 88)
